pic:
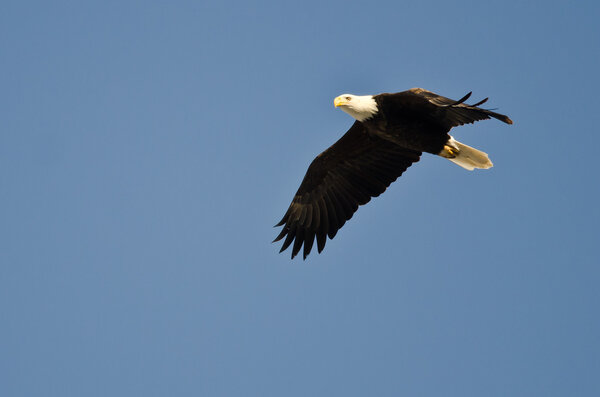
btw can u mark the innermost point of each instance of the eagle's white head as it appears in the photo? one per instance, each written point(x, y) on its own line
point(360, 107)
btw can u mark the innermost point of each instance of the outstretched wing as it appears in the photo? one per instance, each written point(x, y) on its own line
point(354, 169)
point(452, 113)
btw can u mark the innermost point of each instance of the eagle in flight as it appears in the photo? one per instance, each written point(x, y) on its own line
point(390, 133)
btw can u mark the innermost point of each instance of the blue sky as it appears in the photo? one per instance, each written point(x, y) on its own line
point(147, 149)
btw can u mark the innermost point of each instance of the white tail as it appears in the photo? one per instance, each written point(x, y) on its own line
point(467, 157)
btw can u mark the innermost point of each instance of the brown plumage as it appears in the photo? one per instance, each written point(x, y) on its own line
point(394, 131)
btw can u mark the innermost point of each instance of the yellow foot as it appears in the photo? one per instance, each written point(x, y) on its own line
point(449, 152)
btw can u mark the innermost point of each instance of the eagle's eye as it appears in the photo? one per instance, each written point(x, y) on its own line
point(348, 98)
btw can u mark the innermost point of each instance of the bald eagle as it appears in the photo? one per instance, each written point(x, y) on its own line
point(390, 133)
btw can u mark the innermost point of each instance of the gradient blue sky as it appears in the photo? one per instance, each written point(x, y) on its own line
point(147, 149)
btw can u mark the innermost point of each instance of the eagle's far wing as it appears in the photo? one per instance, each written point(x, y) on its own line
point(354, 169)
point(452, 113)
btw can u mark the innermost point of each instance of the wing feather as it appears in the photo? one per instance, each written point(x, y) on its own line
point(348, 174)
point(323, 226)
point(454, 113)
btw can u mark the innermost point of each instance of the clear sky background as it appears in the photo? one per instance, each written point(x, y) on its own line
point(147, 149)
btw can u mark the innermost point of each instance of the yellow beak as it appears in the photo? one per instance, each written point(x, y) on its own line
point(339, 101)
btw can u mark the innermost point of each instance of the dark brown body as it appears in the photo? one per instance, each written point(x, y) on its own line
point(400, 115)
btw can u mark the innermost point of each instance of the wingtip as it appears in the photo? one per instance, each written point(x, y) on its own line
point(280, 236)
point(461, 100)
point(484, 100)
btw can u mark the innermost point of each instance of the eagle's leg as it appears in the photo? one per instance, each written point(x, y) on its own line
point(450, 150)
